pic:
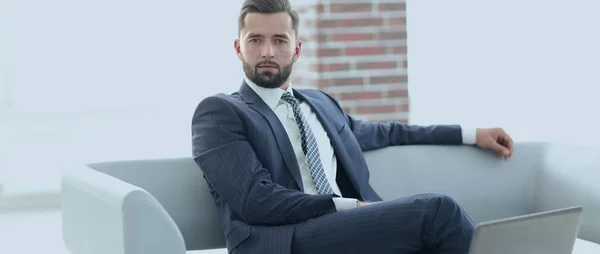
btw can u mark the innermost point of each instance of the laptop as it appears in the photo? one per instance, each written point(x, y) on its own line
point(551, 232)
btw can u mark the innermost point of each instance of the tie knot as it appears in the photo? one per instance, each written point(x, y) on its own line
point(289, 98)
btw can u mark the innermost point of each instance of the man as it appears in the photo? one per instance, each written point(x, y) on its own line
point(286, 167)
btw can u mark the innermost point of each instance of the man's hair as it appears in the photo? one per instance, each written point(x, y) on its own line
point(268, 7)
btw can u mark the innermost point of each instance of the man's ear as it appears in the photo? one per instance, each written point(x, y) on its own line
point(297, 50)
point(238, 51)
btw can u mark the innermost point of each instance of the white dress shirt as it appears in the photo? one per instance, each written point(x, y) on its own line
point(285, 114)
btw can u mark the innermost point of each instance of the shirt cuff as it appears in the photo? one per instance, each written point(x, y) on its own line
point(342, 204)
point(469, 135)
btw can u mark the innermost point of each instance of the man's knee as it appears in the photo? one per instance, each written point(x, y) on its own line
point(446, 202)
point(438, 200)
point(445, 206)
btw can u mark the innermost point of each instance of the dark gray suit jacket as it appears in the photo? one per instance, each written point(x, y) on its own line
point(250, 167)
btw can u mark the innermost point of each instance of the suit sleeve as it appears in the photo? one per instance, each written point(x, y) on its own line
point(231, 166)
point(375, 135)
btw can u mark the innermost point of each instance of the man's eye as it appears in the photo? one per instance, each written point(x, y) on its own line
point(253, 40)
point(281, 41)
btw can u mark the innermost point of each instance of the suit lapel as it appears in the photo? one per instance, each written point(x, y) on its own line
point(319, 109)
point(283, 141)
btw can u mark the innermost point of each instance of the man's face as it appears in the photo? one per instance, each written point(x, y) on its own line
point(268, 48)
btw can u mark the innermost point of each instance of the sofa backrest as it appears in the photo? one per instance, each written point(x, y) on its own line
point(487, 187)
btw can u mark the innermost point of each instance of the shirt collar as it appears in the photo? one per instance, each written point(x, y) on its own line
point(271, 96)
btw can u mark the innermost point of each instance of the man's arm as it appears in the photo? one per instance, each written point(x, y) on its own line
point(375, 135)
point(231, 166)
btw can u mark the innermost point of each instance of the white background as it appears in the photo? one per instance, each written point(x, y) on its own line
point(104, 80)
point(530, 66)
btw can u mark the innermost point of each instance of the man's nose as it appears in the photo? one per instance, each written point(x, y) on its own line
point(267, 51)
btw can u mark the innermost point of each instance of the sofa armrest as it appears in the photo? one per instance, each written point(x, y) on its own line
point(486, 186)
point(102, 214)
point(571, 177)
point(180, 188)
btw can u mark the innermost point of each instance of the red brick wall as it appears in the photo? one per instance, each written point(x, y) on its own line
point(355, 50)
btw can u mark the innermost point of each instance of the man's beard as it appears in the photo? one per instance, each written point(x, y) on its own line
point(268, 79)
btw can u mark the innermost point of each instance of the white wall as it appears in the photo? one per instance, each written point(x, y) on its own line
point(66, 55)
point(531, 66)
point(95, 80)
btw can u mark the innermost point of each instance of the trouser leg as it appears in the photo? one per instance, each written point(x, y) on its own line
point(428, 222)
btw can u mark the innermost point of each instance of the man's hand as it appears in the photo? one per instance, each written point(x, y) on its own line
point(497, 140)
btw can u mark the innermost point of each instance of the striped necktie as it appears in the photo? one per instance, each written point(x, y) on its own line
point(309, 146)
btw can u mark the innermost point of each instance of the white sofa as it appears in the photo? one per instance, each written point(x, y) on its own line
point(163, 206)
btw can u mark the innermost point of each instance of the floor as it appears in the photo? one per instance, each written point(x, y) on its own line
point(31, 233)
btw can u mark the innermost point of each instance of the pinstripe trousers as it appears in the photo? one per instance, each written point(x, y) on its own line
point(426, 223)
